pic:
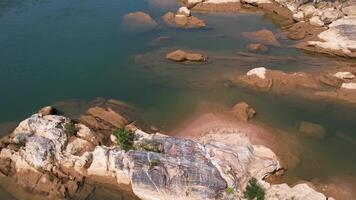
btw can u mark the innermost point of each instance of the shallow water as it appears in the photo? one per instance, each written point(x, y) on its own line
point(52, 51)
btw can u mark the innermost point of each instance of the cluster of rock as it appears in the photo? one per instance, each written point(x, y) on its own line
point(333, 23)
point(58, 158)
point(265, 80)
point(143, 22)
point(183, 19)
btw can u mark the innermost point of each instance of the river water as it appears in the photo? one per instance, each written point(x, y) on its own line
point(76, 50)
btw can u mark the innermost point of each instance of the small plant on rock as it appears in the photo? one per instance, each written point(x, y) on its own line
point(70, 128)
point(254, 190)
point(124, 139)
point(230, 190)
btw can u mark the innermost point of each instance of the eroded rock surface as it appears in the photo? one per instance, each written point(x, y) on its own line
point(159, 167)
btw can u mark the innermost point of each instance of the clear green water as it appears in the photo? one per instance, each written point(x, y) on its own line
point(52, 51)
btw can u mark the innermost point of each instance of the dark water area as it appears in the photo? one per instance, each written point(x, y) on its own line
point(55, 51)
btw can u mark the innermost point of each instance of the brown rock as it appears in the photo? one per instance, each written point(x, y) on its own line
point(183, 21)
point(331, 80)
point(180, 56)
point(243, 111)
point(48, 110)
point(100, 118)
point(264, 36)
point(169, 18)
point(256, 47)
point(311, 130)
point(139, 21)
point(278, 81)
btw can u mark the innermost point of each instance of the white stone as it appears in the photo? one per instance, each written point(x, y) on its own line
point(316, 21)
point(183, 11)
point(299, 16)
point(260, 72)
point(344, 75)
point(349, 86)
point(339, 36)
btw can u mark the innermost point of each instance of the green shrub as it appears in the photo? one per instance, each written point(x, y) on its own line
point(70, 128)
point(124, 139)
point(230, 190)
point(254, 190)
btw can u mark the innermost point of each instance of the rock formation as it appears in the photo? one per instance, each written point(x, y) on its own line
point(66, 161)
point(180, 56)
point(263, 79)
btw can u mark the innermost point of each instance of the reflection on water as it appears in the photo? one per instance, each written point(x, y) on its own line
point(58, 50)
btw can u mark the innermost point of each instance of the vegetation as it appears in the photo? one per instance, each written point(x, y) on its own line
point(254, 190)
point(124, 139)
point(70, 128)
point(149, 145)
point(230, 190)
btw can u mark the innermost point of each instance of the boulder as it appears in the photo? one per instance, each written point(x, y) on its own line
point(349, 86)
point(138, 22)
point(182, 21)
point(183, 11)
point(307, 9)
point(48, 110)
point(311, 130)
point(316, 21)
point(180, 56)
point(344, 75)
point(263, 36)
point(329, 15)
point(257, 47)
point(299, 16)
point(243, 111)
point(108, 119)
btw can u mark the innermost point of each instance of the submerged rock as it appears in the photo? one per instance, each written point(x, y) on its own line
point(243, 111)
point(311, 130)
point(256, 47)
point(264, 36)
point(138, 22)
point(180, 56)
